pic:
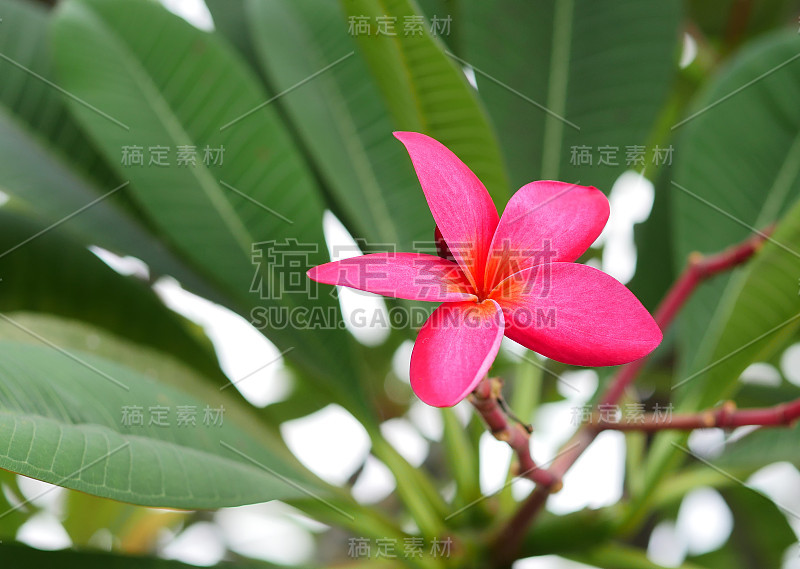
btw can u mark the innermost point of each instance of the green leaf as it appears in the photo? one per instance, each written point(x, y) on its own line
point(759, 315)
point(54, 274)
point(654, 272)
point(462, 461)
point(73, 432)
point(49, 164)
point(31, 96)
point(136, 527)
point(738, 167)
point(15, 516)
point(756, 395)
point(20, 556)
point(622, 557)
point(179, 86)
point(414, 486)
point(569, 74)
point(230, 21)
point(760, 448)
point(760, 537)
point(426, 90)
point(346, 129)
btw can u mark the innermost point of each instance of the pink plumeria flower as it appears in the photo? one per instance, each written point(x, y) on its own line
point(512, 276)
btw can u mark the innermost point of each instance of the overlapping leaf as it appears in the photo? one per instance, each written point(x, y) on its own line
point(56, 275)
point(67, 419)
point(739, 171)
point(228, 209)
point(48, 163)
point(562, 79)
point(425, 90)
point(306, 52)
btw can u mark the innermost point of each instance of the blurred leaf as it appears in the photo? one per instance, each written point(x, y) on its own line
point(426, 90)
point(760, 448)
point(30, 95)
point(655, 272)
point(49, 164)
point(230, 21)
point(761, 533)
point(730, 22)
point(415, 487)
point(179, 86)
point(760, 313)
point(74, 433)
point(737, 165)
point(580, 73)
point(347, 130)
point(623, 557)
point(20, 556)
point(462, 461)
point(557, 535)
point(54, 274)
point(755, 395)
point(138, 529)
point(10, 498)
point(437, 13)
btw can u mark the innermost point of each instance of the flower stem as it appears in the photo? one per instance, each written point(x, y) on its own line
point(488, 401)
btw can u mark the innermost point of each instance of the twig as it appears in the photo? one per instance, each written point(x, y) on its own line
point(487, 400)
point(726, 416)
point(698, 269)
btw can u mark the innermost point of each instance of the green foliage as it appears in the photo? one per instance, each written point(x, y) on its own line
point(78, 433)
point(580, 85)
point(344, 129)
point(736, 168)
point(302, 103)
point(214, 101)
point(426, 91)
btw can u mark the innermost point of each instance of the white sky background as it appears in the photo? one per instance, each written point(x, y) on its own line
point(333, 444)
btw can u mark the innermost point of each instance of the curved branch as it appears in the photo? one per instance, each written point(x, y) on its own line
point(698, 269)
point(487, 400)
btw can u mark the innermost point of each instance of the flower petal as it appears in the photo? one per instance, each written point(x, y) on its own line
point(401, 275)
point(577, 315)
point(545, 222)
point(454, 351)
point(459, 202)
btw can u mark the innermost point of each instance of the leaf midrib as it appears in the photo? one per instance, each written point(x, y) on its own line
point(163, 112)
point(406, 67)
point(779, 189)
point(370, 186)
point(557, 89)
point(104, 430)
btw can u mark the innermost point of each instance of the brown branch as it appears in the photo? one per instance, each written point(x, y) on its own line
point(726, 416)
point(698, 269)
point(487, 400)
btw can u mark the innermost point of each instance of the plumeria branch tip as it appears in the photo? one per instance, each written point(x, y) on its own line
point(488, 401)
point(698, 268)
point(726, 416)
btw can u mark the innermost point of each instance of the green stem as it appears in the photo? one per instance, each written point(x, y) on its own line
point(415, 489)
